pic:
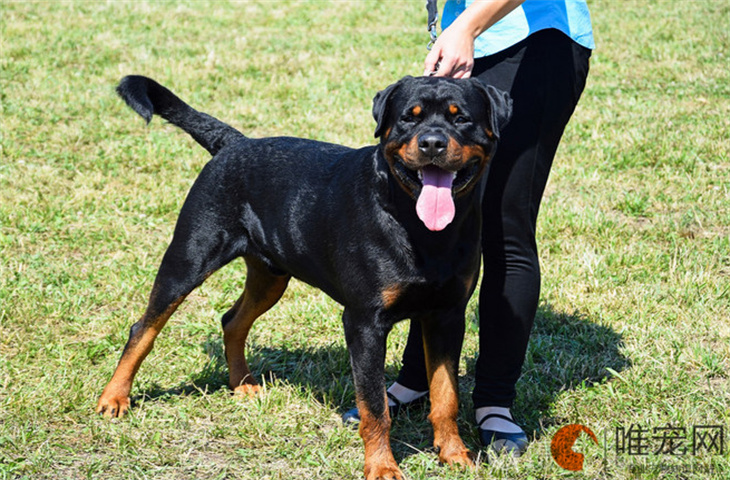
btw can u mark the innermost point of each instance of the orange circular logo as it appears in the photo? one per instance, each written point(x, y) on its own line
point(561, 447)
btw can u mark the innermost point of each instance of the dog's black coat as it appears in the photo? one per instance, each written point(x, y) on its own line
point(341, 219)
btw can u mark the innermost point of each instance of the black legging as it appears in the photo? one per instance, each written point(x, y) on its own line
point(545, 75)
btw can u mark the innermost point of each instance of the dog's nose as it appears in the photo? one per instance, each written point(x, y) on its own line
point(432, 144)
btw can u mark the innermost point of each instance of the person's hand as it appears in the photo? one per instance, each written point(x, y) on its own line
point(452, 55)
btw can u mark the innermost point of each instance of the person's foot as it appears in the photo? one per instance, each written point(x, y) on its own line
point(398, 397)
point(499, 432)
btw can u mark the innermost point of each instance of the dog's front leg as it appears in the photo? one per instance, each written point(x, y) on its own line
point(366, 338)
point(443, 334)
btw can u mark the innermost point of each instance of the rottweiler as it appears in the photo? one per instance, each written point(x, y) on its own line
point(390, 231)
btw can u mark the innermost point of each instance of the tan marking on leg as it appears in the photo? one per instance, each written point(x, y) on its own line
point(247, 390)
point(114, 400)
point(375, 434)
point(262, 291)
point(444, 410)
point(390, 295)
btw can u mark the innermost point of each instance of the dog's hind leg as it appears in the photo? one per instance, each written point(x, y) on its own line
point(193, 255)
point(114, 400)
point(263, 289)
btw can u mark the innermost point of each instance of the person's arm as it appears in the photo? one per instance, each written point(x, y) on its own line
point(453, 51)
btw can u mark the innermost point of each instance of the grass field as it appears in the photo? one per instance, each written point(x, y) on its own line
point(634, 322)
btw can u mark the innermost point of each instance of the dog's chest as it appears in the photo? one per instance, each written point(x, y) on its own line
point(427, 293)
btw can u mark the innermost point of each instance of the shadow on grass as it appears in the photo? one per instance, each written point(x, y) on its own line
point(324, 371)
point(212, 377)
point(566, 351)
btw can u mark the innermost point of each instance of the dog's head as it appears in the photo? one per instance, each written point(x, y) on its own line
point(438, 135)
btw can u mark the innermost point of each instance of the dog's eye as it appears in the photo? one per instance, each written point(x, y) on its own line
point(462, 120)
point(409, 118)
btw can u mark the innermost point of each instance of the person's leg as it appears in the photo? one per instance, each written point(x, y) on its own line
point(540, 73)
point(545, 76)
point(412, 375)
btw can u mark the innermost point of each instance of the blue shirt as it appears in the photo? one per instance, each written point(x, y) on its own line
point(569, 16)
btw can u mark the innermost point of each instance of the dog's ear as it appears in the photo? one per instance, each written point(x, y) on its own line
point(500, 105)
point(381, 103)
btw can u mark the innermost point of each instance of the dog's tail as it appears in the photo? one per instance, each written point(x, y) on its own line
point(147, 97)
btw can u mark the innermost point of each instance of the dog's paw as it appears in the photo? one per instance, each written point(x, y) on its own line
point(112, 406)
point(452, 451)
point(247, 390)
point(386, 471)
point(459, 457)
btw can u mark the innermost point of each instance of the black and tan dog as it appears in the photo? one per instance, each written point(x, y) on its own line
point(389, 231)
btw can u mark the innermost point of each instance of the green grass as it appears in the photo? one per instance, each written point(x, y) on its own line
point(634, 323)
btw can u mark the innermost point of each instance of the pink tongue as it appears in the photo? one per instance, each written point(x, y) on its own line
point(435, 206)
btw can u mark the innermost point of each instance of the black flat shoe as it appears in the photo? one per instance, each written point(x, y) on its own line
point(514, 444)
point(352, 416)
